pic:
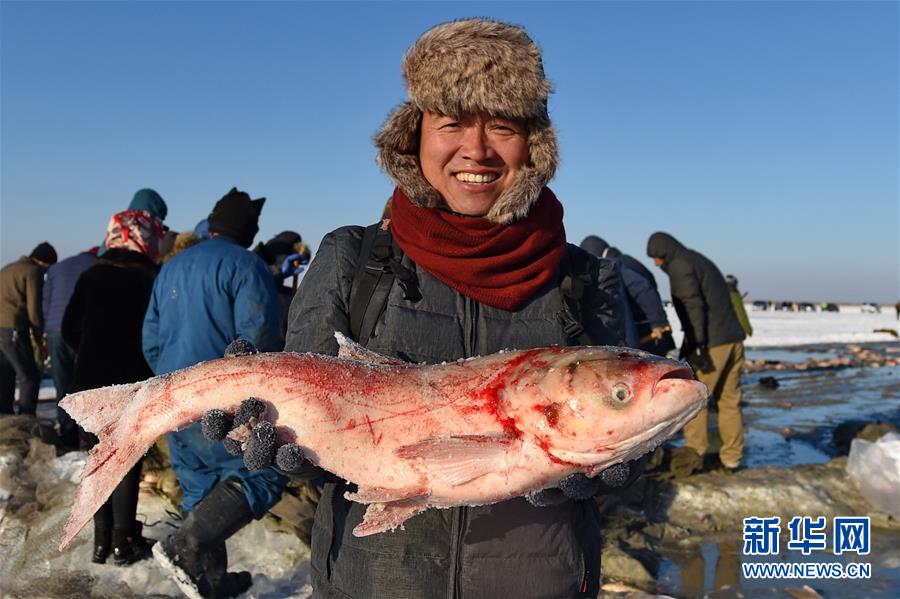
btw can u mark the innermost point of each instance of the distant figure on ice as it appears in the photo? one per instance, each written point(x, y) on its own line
point(713, 345)
point(21, 324)
point(205, 297)
point(473, 260)
point(737, 300)
point(58, 288)
point(103, 323)
point(653, 330)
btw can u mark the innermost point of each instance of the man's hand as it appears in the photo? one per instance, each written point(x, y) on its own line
point(578, 486)
point(247, 433)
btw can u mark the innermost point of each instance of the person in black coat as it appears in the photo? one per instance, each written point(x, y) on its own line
point(713, 344)
point(103, 322)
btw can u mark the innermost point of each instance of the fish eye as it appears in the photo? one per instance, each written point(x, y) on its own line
point(622, 393)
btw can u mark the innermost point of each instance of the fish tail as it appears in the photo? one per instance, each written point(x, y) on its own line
point(111, 413)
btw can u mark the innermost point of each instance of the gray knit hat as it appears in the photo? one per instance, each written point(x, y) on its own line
point(463, 67)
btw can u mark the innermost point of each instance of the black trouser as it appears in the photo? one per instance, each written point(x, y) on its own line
point(62, 369)
point(120, 509)
point(17, 365)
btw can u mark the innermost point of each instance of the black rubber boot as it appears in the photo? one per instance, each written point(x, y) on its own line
point(196, 554)
point(130, 546)
point(102, 545)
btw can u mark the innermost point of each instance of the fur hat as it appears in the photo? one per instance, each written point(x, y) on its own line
point(236, 216)
point(463, 67)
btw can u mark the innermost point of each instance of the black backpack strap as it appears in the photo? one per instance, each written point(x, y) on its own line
point(378, 263)
point(575, 279)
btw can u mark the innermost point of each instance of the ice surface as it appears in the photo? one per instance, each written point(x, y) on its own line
point(778, 329)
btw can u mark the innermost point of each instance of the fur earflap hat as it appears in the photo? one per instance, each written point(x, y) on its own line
point(463, 67)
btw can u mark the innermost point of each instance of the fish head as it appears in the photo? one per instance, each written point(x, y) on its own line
point(597, 406)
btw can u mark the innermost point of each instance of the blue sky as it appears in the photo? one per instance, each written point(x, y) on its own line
point(763, 134)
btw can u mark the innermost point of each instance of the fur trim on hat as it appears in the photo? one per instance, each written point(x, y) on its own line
point(464, 67)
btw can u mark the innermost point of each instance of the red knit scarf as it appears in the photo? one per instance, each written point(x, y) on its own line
point(498, 265)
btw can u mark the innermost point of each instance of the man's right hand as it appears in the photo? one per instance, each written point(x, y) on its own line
point(246, 433)
point(255, 439)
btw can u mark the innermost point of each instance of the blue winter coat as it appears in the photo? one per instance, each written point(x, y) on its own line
point(648, 310)
point(59, 285)
point(203, 299)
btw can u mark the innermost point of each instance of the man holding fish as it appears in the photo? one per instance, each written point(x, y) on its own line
point(471, 154)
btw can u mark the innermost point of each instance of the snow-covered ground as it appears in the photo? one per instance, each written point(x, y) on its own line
point(780, 329)
point(36, 491)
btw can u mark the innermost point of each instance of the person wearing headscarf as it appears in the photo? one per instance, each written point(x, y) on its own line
point(102, 323)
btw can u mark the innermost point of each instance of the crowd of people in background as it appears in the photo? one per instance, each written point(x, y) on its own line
point(472, 234)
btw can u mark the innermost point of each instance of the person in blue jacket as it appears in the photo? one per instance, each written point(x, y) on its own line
point(58, 287)
point(654, 334)
point(205, 297)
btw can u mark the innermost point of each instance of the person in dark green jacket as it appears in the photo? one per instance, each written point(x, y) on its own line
point(737, 300)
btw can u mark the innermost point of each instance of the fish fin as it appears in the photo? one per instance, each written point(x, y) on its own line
point(458, 460)
point(351, 350)
point(103, 412)
point(383, 495)
point(96, 409)
point(381, 517)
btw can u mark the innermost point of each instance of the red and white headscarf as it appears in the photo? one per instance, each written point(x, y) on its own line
point(135, 230)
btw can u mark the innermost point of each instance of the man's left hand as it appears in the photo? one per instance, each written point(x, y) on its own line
point(579, 486)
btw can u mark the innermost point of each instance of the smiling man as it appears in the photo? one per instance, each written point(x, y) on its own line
point(472, 261)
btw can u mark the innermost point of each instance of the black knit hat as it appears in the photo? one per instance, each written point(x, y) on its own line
point(236, 216)
point(45, 253)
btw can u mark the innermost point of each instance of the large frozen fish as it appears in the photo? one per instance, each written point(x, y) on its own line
point(411, 437)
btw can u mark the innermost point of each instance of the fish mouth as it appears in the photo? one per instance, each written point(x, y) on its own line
point(679, 371)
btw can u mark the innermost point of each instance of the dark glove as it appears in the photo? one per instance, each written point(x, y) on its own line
point(293, 265)
point(246, 433)
point(700, 361)
point(578, 486)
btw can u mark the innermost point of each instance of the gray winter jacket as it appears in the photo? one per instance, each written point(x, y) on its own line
point(510, 549)
point(699, 294)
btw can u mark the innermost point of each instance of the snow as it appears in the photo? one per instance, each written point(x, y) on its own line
point(38, 489)
point(783, 329)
